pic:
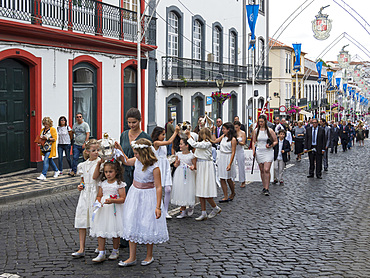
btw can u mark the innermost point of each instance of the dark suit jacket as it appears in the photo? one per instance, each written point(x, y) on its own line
point(216, 134)
point(320, 141)
point(344, 135)
point(334, 135)
point(286, 148)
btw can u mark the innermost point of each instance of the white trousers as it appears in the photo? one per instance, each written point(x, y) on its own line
point(278, 169)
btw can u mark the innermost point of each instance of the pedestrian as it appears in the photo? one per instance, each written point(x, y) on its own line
point(299, 133)
point(170, 130)
point(280, 156)
point(158, 135)
point(263, 141)
point(344, 135)
point(314, 145)
point(143, 221)
point(240, 158)
point(205, 183)
point(242, 127)
point(218, 131)
point(88, 191)
point(352, 136)
point(183, 189)
point(108, 219)
point(47, 143)
point(334, 137)
point(327, 129)
point(226, 165)
point(64, 142)
point(81, 131)
point(360, 135)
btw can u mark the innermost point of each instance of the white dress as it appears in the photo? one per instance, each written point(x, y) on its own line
point(164, 166)
point(205, 182)
point(108, 221)
point(140, 223)
point(240, 160)
point(88, 195)
point(224, 160)
point(263, 154)
point(183, 188)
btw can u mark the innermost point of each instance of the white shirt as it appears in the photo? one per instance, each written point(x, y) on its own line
point(63, 136)
point(203, 149)
point(280, 155)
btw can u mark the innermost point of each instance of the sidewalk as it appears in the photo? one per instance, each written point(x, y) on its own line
point(24, 185)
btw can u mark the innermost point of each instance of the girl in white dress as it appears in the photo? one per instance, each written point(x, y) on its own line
point(183, 189)
point(226, 165)
point(205, 182)
point(143, 220)
point(107, 219)
point(88, 190)
point(240, 159)
point(263, 142)
point(158, 136)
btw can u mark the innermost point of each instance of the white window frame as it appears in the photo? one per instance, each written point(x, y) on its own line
point(216, 44)
point(173, 34)
point(197, 40)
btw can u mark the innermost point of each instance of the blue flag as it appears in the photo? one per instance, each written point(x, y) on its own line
point(357, 94)
point(297, 52)
point(345, 89)
point(337, 81)
point(252, 13)
point(319, 68)
point(330, 78)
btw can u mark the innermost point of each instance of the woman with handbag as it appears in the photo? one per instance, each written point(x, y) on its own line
point(47, 143)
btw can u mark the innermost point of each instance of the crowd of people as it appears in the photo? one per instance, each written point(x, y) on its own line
point(121, 198)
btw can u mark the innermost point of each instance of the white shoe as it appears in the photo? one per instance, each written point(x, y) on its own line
point(144, 263)
point(96, 251)
point(41, 177)
point(168, 216)
point(189, 211)
point(114, 255)
point(214, 212)
point(201, 217)
point(56, 174)
point(100, 258)
point(182, 215)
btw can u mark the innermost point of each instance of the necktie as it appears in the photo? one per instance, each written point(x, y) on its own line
point(314, 137)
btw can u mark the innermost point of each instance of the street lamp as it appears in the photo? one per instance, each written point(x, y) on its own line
point(219, 81)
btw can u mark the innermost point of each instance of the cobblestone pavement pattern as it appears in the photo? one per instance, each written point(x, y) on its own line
point(307, 228)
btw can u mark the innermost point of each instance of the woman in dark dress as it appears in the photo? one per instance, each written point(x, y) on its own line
point(299, 133)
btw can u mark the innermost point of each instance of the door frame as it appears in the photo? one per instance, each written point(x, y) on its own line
point(35, 92)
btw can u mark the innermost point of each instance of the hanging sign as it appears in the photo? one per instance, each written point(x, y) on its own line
point(321, 26)
point(319, 68)
point(252, 13)
point(344, 58)
point(357, 73)
point(297, 52)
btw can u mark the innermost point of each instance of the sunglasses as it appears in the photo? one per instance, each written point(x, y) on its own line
point(78, 117)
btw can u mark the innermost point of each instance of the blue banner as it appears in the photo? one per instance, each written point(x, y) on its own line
point(357, 94)
point(330, 78)
point(350, 91)
point(319, 68)
point(345, 89)
point(252, 14)
point(297, 52)
point(337, 80)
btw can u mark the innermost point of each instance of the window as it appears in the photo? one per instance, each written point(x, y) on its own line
point(216, 110)
point(130, 5)
point(197, 108)
point(233, 106)
point(197, 40)
point(261, 51)
point(173, 34)
point(288, 59)
point(233, 56)
point(129, 91)
point(217, 44)
point(85, 94)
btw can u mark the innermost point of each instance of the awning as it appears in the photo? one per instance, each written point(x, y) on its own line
point(308, 114)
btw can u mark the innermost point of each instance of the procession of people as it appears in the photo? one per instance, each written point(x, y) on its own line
point(121, 198)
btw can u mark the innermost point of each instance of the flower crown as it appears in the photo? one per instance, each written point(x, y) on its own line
point(138, 146)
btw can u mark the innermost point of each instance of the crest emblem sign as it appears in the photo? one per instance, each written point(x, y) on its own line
point(321, 26)
point(344, 58)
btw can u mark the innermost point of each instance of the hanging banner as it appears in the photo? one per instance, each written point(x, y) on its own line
point(319, 68)
point(297, 52)
point(252, 13)
point(337, 81)
point(330, 79)
point(345, 89)
point(344, 58)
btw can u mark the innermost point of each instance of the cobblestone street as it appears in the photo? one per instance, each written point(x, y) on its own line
point(307, 228)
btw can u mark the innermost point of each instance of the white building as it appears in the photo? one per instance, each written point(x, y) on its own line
point(197, 41)
point(68, 57)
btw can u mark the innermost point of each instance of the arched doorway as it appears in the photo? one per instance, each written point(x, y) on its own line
point(174, 108)
point(14, 116)
point(129, 91)
point(197, 108)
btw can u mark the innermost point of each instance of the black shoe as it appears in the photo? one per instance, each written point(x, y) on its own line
point(223, 201)
point(319, 177)
point(326, 169)
point(267, 193)
point(310, 176)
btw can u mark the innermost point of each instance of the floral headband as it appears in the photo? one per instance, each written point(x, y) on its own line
point(138, 146)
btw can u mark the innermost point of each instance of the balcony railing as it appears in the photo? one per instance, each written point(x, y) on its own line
point(302, 102)
point(85, 16)
point(174, 68)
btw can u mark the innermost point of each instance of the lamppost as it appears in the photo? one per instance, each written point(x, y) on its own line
point(292, 100)
point(220, 81)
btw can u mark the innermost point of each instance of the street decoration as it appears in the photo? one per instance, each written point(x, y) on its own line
point(294, 109)
point(344, 58)
point(297, 52)
point(321, 25)
point(330, 79)
point(220, 97)
point(252, 14)
point(319, 68)
point(357, 73)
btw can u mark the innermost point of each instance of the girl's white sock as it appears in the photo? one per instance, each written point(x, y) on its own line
point(204, 212)
point(101, 252)
point(115, 250)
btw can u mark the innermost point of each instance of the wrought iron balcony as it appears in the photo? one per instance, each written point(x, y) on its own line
point(302, 102)
point(85, 16)
point(189, 72)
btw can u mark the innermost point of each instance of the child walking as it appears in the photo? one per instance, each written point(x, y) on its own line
point(280, 156)
point(108, 219)
point(158, 136)
point(143, 220)
point(205, 183)
point(183, 189)
point(88, 190)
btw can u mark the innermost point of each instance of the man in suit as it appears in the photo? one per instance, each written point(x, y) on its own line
point(218, 130)
point(344, 135)
point(334, 138)
point(327, 129)
point(315, 144)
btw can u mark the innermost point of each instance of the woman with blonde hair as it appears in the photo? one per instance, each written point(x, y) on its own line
point(48, 137)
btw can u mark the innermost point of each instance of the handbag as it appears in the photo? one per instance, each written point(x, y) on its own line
point(46, 147)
